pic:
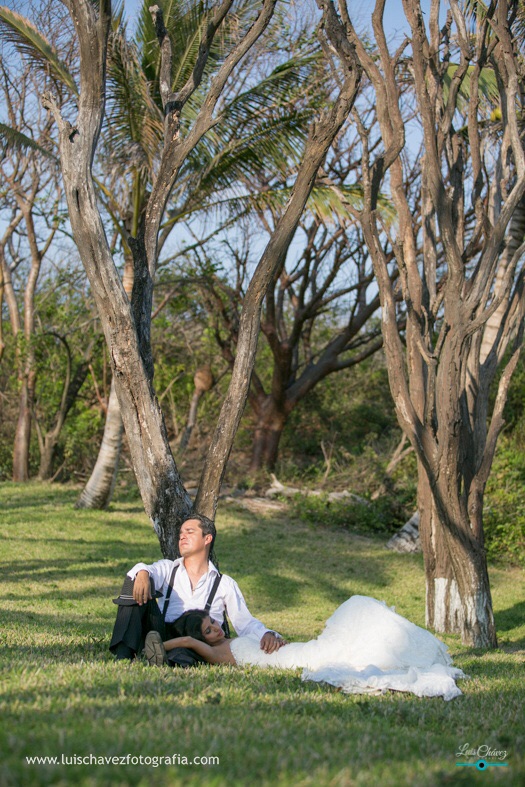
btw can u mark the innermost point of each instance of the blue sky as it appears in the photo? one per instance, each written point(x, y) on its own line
point(359, 10)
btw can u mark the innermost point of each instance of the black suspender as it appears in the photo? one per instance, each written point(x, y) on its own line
point(168, 592)
point(213, 592)
point(209, 602)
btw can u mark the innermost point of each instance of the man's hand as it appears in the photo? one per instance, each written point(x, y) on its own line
point(141, 588)
point(271, 642)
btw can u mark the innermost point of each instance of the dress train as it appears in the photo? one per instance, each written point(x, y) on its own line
point(365, 647)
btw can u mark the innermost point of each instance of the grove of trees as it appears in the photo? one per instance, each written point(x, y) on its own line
point(278, 193)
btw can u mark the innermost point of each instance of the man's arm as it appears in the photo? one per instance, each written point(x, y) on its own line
point(142, 573)
point(142, 587)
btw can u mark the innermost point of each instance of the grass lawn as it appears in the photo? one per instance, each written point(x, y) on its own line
point(63, 696)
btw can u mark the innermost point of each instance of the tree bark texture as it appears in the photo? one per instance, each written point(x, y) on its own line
point(270, 423)
point(100, 486)
point(23, 426)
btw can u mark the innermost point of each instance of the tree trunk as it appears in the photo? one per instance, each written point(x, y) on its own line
point(48, 442)
point(203, 381)
point(271, 421)
point(98, 491)
point(443, 605)
point(496, 322)
point(457, 583)
point(47, 456)
point(192, 419)
point(319, 141)
point(23, 429)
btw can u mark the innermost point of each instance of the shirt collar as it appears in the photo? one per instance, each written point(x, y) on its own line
point(211, 568)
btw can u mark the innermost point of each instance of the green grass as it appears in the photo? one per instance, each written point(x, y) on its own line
point(62, 694)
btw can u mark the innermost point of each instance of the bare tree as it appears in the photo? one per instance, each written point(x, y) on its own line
point(30, 180)
point(315, 320)
point(439, 378)
point(49, 422)
point(127, 329)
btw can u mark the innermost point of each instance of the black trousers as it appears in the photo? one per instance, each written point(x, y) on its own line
point(132, 625)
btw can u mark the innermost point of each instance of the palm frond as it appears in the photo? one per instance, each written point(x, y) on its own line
point(135, 121)
point(13, 138)
point(261, 130)
point(285, 84)
point(272, 147)
point(327, 203)
point(488, 86)
point(186, 22)
point(34, 47)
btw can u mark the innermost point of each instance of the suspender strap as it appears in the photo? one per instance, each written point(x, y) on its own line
point(225, 626)
point(168, 592)
point(213, 592)
point(170, 589)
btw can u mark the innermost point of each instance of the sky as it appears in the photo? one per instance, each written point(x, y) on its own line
point(360, 9)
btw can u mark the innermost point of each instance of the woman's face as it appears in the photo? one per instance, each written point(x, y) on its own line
point(211, 631)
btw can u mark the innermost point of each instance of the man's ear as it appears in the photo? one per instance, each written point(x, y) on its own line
point(208, 538)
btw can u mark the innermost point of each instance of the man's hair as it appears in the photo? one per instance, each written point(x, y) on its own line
point(206, 525)
point(208, 529)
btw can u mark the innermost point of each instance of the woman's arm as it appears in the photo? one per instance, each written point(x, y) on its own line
point(213, 655)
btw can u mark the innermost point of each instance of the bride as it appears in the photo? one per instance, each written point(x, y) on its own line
point(365, 648)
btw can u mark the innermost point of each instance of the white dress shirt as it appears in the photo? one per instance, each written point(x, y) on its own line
point(184, 597)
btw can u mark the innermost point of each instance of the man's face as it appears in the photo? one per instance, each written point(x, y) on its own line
point(192, 540)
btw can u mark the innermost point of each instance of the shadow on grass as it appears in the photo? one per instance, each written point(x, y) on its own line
point(291, 729)
point(507, 619)
point(82, 566)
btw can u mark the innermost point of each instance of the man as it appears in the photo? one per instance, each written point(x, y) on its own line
point(195, 579)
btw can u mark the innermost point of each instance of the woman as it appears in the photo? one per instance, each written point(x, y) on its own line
point(365, 648)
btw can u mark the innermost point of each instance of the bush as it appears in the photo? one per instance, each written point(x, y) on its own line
point(368, 517)
point(504, 515)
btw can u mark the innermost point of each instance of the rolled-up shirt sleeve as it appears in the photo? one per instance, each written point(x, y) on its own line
point(242, 620)
point(159, 571)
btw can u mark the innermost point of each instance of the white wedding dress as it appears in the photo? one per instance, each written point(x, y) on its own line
point(365, 648)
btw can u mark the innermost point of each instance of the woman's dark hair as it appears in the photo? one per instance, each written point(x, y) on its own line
point(190, 624)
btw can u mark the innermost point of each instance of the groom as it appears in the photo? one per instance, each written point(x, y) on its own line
point(195, 583)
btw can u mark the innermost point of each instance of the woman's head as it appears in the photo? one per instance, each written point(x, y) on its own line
point(197, 623)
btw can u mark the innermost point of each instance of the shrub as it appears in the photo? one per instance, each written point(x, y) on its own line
point(504, 515)
point(366, 517)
